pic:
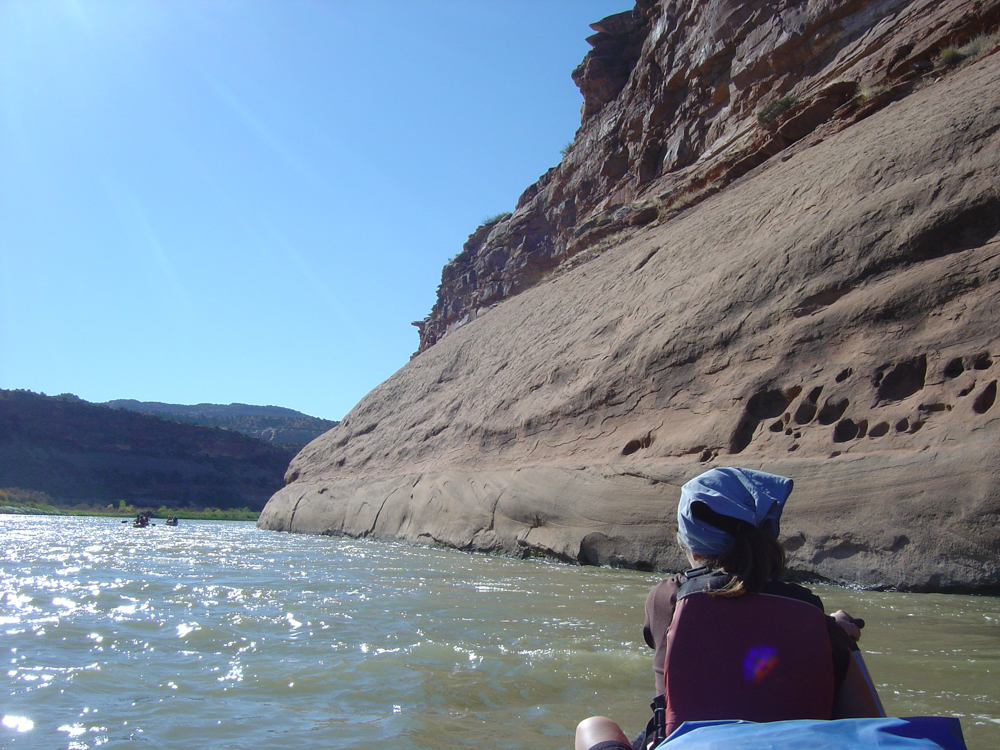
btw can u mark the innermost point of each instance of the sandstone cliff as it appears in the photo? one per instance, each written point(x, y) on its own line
point(773, 243)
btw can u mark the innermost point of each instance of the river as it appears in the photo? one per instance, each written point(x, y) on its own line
point(220, 635)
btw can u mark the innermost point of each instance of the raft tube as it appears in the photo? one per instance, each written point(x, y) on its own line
point(916, 733)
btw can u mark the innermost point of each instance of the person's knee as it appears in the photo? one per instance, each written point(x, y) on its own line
point(596, 729)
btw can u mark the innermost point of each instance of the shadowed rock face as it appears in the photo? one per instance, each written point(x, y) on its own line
point(286, 428)
point(76, 451)
point(831, 315)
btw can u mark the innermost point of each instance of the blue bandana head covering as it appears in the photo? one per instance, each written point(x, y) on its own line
point(744, 494)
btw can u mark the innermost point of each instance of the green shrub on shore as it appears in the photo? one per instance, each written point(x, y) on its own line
point(25, 510)
point(16, 500)
point(208, 514)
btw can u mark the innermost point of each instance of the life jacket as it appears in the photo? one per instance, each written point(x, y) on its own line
point(757, 657)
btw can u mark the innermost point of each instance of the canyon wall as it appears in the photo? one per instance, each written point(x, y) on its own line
point(774, 244)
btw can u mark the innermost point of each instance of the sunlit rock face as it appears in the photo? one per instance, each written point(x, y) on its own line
point(674, 94)
point(811, 289)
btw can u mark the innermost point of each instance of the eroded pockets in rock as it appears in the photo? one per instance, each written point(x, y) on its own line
point(765, 404)
point(900, 381)
point(633, 446)
point(985, 400)
point(891, 384)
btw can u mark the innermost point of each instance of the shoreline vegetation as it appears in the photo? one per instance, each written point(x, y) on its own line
point(15, 501)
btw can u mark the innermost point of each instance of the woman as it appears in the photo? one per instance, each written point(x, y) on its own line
point(731, 640)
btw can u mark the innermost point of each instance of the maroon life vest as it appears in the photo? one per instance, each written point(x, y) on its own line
point(757, 657)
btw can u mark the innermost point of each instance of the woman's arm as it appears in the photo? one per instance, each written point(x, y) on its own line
point(848, 623)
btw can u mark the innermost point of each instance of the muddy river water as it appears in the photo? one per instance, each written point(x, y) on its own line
point(220, 635)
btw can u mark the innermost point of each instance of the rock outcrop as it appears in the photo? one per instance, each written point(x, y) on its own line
point(777, 246)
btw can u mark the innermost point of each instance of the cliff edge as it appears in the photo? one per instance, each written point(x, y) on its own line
point(774, 243)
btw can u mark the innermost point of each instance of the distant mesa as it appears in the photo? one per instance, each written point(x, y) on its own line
point(79, 452)
point(286, 428)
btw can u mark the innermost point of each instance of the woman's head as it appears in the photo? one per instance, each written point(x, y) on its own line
point(728, 518)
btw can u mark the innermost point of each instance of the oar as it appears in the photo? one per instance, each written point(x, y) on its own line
point(856, 650)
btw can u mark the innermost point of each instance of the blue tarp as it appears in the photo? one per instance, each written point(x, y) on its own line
point(919, 733)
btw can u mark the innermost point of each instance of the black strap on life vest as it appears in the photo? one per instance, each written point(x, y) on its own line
point(702, 579)
point(656, 728)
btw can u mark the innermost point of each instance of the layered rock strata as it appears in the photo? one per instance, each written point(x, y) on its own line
point(830, 315)
point(674, 94)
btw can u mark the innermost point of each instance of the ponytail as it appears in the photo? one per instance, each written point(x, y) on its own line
point(754, 558)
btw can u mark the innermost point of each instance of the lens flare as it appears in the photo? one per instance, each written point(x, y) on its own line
point(759, 663)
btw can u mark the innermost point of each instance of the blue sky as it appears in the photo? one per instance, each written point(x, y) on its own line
point(250, 200)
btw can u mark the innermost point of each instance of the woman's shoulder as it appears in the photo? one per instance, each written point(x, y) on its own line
point(666, 588)
point(675, 580)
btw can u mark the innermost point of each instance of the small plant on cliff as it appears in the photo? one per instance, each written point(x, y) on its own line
point(949, 56)
point(691, 196)
point(775, 107)
point(566, 149)
point(869, 91)
point(494, 218)
point(971, 50)
point(979, 46)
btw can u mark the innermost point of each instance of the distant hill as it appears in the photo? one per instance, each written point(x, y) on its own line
point(76, 451)
point(286, 428)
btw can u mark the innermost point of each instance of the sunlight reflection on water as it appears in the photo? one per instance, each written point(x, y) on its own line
point(215, 634)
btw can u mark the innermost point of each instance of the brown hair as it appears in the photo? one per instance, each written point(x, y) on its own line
point(754, 558)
